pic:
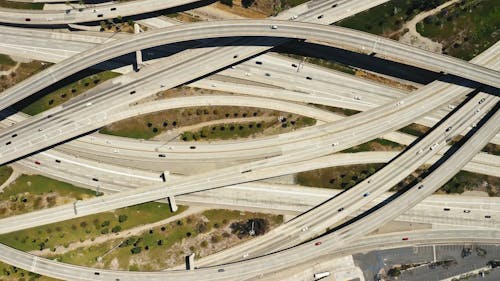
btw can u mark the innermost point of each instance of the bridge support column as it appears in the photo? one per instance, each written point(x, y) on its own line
point(171, 199)
point(138, 53)
point(190, 262)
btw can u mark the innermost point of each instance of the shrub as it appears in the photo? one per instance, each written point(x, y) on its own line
point(104, 223)
point(135, 250)
point(227, 2)
point(116, 229)
point(105, 230)
point(122, 218)
point(204, 244)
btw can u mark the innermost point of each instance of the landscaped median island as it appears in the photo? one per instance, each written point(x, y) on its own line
point(5, 172)
point(466, 28)
point(33, 192)
point(221, 122)
point(65, 93)
point(23, 71)
point(148, 248)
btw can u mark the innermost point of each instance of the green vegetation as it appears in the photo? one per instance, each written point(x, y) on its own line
point(88, 227)
point(492, 149)
point(28, 193)
point(286, 4)
point(151, 125)
point(24, 71)
point(325, 63)
point(247, 3)
point(377, 145)
point(241, 130)
point(19, 5)
point(470, 181)
point(5, 172)
point(339, 110)
point(6, 60)
point(40, 185)
point(12, 273)
point(414, 130)
point(227, 2)
point(343, 177)
point(67, 92)
point(155, 248)
point(466, 28)
point(387, 18)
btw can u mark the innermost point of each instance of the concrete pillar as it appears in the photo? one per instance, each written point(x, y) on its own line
point(190, 262)
point(138, 53)
point(173, 205)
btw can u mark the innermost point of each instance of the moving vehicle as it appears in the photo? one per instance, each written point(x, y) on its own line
point(317, 243)
point(405, 239)
point(321, 275)
point(274, 27)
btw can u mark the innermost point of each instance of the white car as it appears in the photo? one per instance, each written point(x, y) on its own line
point(274, 27)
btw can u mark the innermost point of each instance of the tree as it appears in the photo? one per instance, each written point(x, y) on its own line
point(247, 3)
point(227, 2)
point(116, 229)
point(135, 250)
point(122, 218)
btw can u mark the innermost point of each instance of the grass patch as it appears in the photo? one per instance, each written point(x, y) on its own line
point(29, 193)
point(24, 71)
point(389, 17)
point(414, 130)
point(6, 60)
point(339, 110)
point(5, 172)
point(19, 5)
point(325, 63)
point(88, 227)
point(287, 4)
point(244, 130)
point(492, 148)
point(67, 92)
point(12, 273)
point(376, 145)
point(464, 180)
point(466, 28)
point(343, 177)
point(166, 245)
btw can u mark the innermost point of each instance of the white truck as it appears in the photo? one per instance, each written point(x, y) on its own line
point(321, 275)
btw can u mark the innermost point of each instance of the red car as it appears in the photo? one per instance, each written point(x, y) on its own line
point(317, 243)
point(36, 162)
point(405, 238)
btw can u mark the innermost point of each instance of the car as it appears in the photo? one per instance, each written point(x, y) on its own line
point(474, 125)
point(357, 98)
point(40, 129)
point(434, 146)
point(340, 209)
point(245, 255)
point(466, 211)
point(258, 62)
point(14, 135)
point(268, 74)
point(161, 155)
point(58, 161)
point(36, 162)
point(192, 147)
point(366, 194)
point(481, 101)
point(335, 144)
point(132, 92)
point(401, 102)
point(305, 228)
point(100, 15)
point(420, 151)
point(450, 106)
point(88, 104)
point(293, 17)
point(220, 270)
point(320, 16)
point(274, 27)
point(448, 129)
point(420, 186)
point(97, 273)
point(309, 78)
point(95, 179)
point(317, 243)
point(27, 19)
point(8, 143)
point(294, 65)
point(113, 9)
point(405, 239)
point(446, 209)
point(488, 217)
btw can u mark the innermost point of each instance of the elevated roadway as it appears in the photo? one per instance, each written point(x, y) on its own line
point(15, 150)
point(87, 14)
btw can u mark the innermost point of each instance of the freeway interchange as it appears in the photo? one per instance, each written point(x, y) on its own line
point(26, 140)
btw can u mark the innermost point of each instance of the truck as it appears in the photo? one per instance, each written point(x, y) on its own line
point(321, 275)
